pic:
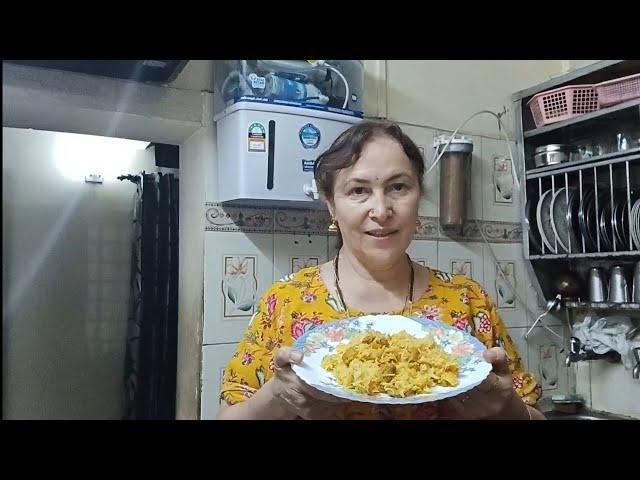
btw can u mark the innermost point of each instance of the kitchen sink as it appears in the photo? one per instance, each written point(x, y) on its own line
point(583, 415)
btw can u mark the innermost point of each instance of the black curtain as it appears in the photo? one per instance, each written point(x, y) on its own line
point(152, 330)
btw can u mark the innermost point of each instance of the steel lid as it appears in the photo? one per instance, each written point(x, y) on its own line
point(459, 143)
point(554, 147)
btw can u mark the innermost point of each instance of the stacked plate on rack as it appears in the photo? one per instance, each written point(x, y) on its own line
point(565, 222)
point(543, 219)
point(587, 221)
point(635, 223)
point(532, 227)
point(564, 219)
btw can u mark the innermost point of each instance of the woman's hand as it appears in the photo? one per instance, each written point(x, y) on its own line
point(494, 398)
point(294, 395)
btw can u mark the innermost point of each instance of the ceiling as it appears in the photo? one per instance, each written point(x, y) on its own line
point(146, 71)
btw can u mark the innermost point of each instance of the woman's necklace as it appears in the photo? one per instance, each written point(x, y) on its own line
point(408, 298)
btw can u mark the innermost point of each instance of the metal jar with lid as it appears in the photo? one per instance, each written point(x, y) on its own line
point(553, 154)
point(455, 180)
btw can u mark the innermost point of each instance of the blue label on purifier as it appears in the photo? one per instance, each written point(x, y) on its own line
point(307, 165)
point(310, 136)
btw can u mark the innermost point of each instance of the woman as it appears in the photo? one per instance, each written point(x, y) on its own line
point(371, 179)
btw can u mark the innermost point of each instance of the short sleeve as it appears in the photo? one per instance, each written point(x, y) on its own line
point(491, 330)
point(252, 363)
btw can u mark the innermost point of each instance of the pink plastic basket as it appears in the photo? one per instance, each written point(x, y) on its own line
point(618, 90)
point(563, 103)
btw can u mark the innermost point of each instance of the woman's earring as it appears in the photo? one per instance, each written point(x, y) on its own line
point(333, 228)
point(417, 224)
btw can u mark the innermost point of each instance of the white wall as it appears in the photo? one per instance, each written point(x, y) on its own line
point(65, 263)
point(569, 65)
point(443, 93)
point(197, 156)
point(608, 387)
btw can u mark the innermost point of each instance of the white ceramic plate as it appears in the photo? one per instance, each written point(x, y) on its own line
point(543, 217)
point(323, 340)
point(562, 230)
point(635, 223)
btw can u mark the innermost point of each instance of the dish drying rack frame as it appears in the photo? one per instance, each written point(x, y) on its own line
point(596, 178)
point(615, 174)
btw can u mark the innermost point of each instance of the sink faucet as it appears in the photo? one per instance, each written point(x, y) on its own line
point(574, 351)
point(577, 353)
point(636, 369)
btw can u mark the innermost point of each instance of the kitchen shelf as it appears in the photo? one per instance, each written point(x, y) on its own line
point(555, 256)
point(617, 174)
point(603, 70)
point(600, 160)
point(582, 118)
point(602, 305)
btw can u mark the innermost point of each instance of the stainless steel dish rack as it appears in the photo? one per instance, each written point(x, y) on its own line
point(589, 208)
point(584, 212)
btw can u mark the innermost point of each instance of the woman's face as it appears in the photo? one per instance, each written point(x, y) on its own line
point(375, 203)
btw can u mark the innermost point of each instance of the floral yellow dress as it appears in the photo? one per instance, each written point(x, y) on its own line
point(301, 301)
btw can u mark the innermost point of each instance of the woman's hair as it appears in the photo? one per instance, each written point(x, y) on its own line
point(347, 148)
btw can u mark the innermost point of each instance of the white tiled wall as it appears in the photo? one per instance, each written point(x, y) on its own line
point(214, 360)
point(423, 137)
point(250, 269)
point(547, 356)
point(500, 195)
point(553, 318)
point(332, 246)
point(435, 253)
point(511, 308)
point(608, 387)
point(454, 257)
point(613, 389)
point(292, 252)
point(424, 251)
point(582, 372)
point(517, 335)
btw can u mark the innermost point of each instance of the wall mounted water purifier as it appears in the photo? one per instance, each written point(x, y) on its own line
point(274, 118)
point(267, 152)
